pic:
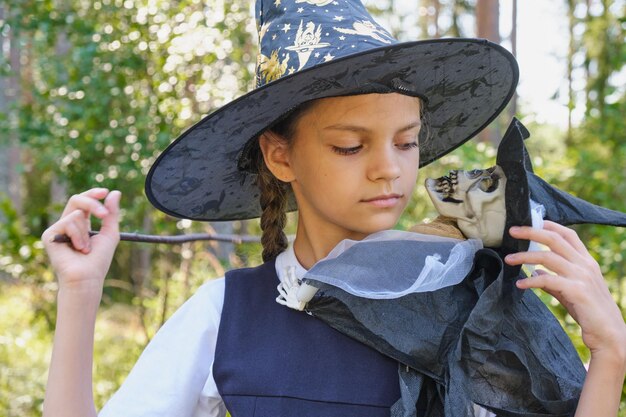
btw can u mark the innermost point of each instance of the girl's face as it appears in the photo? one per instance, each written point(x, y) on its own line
point(354, 163)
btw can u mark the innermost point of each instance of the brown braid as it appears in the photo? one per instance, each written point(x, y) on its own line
point(273, 203)
point(274, 193)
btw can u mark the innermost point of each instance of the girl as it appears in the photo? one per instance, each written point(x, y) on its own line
point(349, 154)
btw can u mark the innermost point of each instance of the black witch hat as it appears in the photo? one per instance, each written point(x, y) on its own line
point(317, 49)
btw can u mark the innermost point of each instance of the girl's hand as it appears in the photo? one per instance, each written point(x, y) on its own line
point(84, 266)
point(576, 282)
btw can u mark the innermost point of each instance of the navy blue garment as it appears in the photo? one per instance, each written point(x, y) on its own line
point(271, 361)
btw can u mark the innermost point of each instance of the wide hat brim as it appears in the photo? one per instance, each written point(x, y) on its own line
point(465, 83)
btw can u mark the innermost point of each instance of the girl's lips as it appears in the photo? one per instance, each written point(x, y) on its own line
point(384, 201)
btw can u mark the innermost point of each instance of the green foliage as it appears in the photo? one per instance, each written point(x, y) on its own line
point(25, 348)
point(25, 345)
point(107, 84)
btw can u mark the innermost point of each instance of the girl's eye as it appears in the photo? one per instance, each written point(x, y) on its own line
point(347, 151)
point(407, 146)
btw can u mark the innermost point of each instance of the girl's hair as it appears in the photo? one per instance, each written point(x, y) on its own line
point(275, 193)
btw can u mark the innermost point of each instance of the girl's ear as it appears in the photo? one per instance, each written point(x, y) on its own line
point(276, 155)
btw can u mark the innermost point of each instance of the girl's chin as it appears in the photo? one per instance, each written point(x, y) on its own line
point(377, 226)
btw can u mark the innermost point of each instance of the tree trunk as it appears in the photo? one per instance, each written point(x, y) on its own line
point(423, 22)
point(571, 100)
point(436, 7)
point(455, 29)
point(513, 104)
point(58, 187)
point(58, 196)
point(223, 250)
point(140, 268)
point(10, 152)
point(586, 65)
point(487, 26)
point(487, 20)
point(141, 260)
point(604, 62)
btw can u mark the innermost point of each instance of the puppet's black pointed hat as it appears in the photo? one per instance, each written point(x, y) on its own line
point(523, 185)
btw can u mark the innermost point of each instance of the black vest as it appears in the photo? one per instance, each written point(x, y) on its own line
point(271, 361)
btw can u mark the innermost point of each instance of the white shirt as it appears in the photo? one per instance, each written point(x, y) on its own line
point(173, 376)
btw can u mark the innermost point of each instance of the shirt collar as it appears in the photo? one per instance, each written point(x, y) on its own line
point(287, 259)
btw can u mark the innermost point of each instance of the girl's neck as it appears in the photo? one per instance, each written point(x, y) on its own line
point(312, 245)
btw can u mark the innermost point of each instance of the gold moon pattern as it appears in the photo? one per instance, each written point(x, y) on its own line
point(272, 68)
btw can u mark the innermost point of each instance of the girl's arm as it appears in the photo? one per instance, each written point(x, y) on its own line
point(577, 282)
point(80, 272)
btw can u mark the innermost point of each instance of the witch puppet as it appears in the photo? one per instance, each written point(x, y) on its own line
point(439, 300)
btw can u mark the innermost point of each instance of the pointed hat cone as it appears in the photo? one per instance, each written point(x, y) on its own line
point(560, 207)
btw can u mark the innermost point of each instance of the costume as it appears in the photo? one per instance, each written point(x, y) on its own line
point(183, 383)
point(450, 311)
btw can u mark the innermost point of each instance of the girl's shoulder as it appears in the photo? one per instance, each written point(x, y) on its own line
point(209, 295)
point(254, 271)
point(210, 287)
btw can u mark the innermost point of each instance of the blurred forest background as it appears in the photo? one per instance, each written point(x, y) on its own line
point(92, 90)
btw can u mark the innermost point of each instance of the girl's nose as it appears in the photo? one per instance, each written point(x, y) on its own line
point(384, 165)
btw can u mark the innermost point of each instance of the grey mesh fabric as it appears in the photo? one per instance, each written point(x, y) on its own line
point(411, 386)
point(436, 262)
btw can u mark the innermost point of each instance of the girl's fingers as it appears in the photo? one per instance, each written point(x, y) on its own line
point(88, 202)
point(558, 287)
point(96, 192)
point(575, 261)
point(75, 220)
point(577, 282)
point(545, 281)
point(551, 238)
point(75, 226)
point(551, 260)
point(110, 222)
point(78, 233)
point(568, 234)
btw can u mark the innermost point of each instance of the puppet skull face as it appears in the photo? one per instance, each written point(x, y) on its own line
point(475, 199)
